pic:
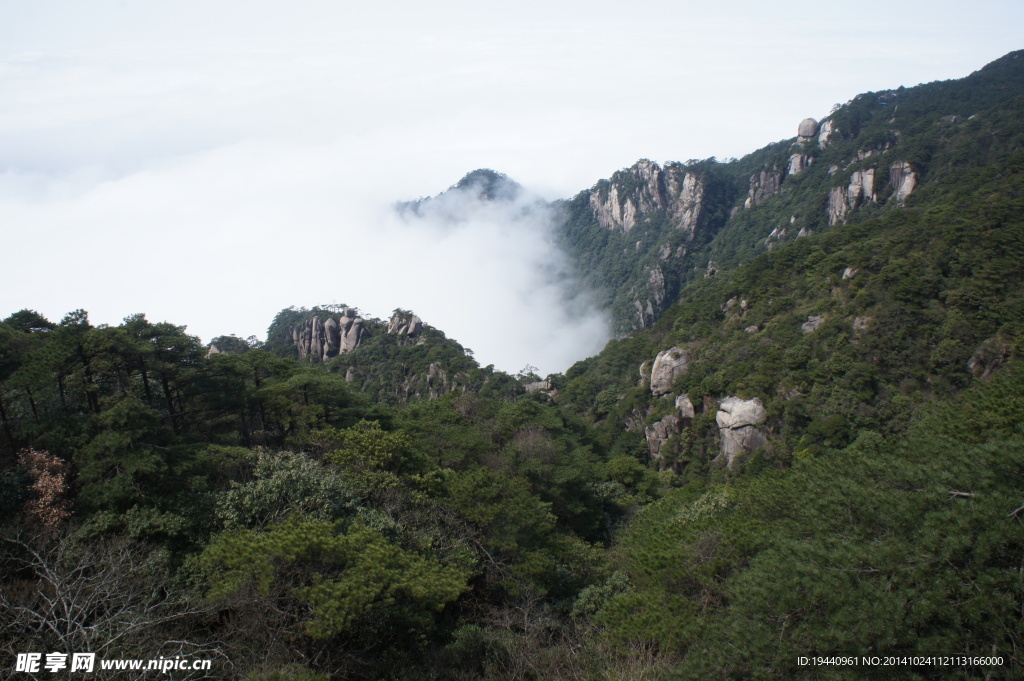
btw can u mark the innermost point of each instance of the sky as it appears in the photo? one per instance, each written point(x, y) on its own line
point(211, 163)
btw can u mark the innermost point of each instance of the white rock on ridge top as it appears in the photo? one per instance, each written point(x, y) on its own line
point(807, 129)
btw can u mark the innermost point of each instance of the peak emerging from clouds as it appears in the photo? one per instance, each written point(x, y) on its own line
point(489, 185)
point(459, 202)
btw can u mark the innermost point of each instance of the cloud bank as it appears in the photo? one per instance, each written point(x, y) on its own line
point(224, 239)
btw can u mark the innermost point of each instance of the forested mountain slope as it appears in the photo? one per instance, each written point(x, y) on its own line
point(643, 234)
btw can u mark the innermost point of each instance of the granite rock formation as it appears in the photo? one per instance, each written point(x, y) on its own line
point(322, 339)
point(763, 186)
point(406, 325)
point(807, 129)
point(647, 189)
point(668, 365)
point(903, 180)
point(660, 431)
point(738, 422)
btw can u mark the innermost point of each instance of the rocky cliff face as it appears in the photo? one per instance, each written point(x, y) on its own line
point(325, 335)
point(861, 189)
point(824, 133)
point(393, 361)
point(799, 162)
point(407, 326)
point(843, 200)
point(903, 180)
point(646, 190)
point(323, 338)
point(858, 191)
point(763, 186)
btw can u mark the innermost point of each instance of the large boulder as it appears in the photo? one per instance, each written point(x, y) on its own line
point(352, 332)
point(668, 365)
point(807, 129)
point(738, 422)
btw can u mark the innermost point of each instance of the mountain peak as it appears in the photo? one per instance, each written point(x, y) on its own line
point(480, 185)
point(488, 185)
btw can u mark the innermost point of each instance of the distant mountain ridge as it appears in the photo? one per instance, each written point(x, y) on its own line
point(638, 239)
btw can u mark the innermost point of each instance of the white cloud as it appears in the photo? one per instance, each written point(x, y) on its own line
point(223, 240)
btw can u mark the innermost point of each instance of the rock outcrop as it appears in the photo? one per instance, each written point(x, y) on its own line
point(738, 422)
point(645, 314)
point(656, 284)
point(807, 129)
point(645, 371)
point(688, 202)
point(635, 419)
point(542, 387)
point(405, 325)
point(610, 211)
point(812, 324)
point(860, 190)
point(649, 306)
point(661, 430)
point(437, 381)
point(777, 235)
point(988, 357)
point(862, 187)
point(799, 162)
point(323, 339)
point(685, 407)
point(903, 180)
point(646, 189)
point(824, 133)
point(837, 207)
point(668, 365)
point(763, 186)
